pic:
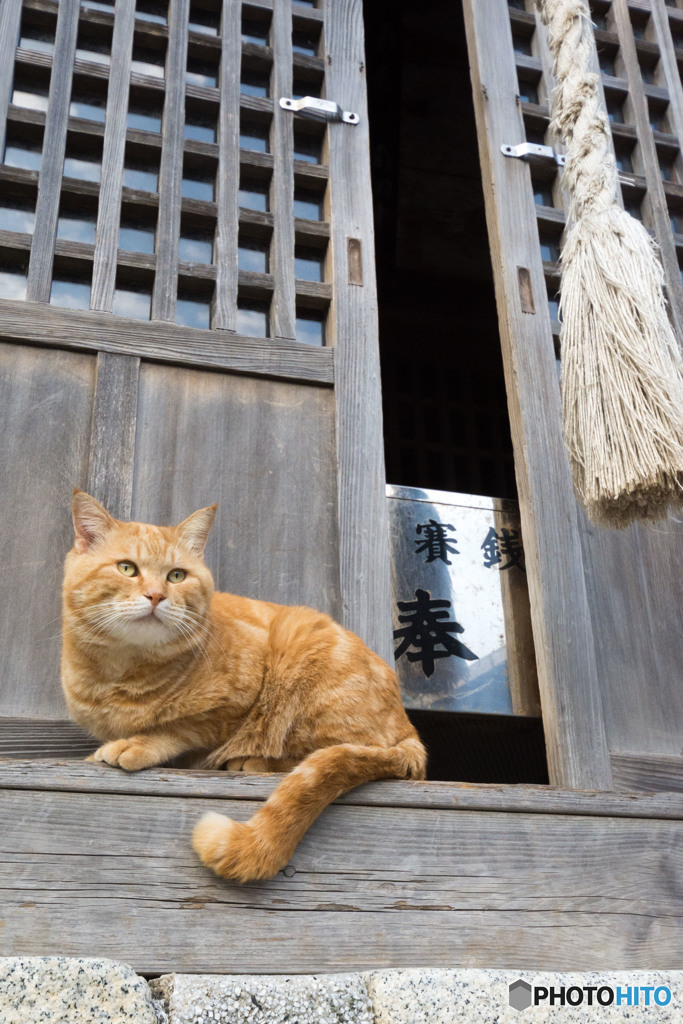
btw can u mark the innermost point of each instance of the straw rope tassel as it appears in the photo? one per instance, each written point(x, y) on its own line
point(622, 373)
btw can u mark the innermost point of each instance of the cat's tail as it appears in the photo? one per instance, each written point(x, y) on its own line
point(259, 848)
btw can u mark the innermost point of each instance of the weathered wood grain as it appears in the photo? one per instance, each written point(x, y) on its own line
point(352, 328)
point(171, 167)
point(19, 771)
point(100, 332)
point(115, 876)
point(647, 773)
point(109, 206)
point(45, 411)
point(112, 438)
point(41, 738)
point(54, 145)
point(10, 19)
point(265, 451)
point(282, 308)
point(636, 595)
point(228, 219)
point(568, 681)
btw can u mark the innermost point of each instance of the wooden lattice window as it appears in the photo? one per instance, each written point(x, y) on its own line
point(143, 94)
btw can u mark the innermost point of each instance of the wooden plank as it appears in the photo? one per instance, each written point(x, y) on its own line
point(227, 221)
point(563, 638)
point(647, 773)
point(488, 884)
point(92, 331)
point(636, 594)
point(109, 206)
point(112, 438)
point(54, 145)
point(257, 446)
point(19, 771)
point(45, 410)
point(352, 328)
point(656, 198)
point(10, 20)
point(38, 738)
point(282, 308)
point(171, 167)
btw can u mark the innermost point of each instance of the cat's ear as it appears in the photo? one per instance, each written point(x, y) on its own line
point(92, 522)
point(194, 530)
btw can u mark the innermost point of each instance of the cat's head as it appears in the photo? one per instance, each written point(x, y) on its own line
point(133, 584)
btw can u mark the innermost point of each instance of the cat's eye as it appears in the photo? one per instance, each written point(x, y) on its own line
point(176, 575)
point(127, 568)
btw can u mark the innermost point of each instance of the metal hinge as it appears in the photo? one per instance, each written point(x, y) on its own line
point(319, 110)
point(534, 153)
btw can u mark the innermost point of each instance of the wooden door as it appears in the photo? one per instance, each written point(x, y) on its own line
point(187, 309)
point(606, 605)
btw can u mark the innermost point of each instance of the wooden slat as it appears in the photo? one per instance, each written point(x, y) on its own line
point(45, 410)
point(112, 439)
point(656, 197)
point(227, 221)
point(117, 874)
point(282, 136)
point(10, 19)
point(109, 206)
point(352, 326)
point(563, 638)
point(93, 332)
point(264, 450)
point(36, 738)
point(69, 776)
point(647, 773)
point(171, 168)
point(54, 145)
point(635, 591)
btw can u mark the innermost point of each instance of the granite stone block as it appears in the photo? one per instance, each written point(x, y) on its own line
point(479, 996)
point(66, 990)
point(264, 999)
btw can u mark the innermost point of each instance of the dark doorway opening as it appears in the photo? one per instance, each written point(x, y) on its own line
point(446, 424)
point(445, 412)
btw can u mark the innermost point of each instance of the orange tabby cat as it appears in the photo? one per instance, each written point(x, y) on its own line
point(155, 664)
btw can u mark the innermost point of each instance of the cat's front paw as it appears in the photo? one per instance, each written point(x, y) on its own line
point(132, 755)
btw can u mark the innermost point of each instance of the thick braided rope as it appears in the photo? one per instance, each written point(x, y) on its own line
point(591, 172)
point(622, 374)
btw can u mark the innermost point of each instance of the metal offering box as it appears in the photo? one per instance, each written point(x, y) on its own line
point(462, 635)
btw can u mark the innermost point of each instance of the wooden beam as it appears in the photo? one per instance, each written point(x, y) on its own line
point(112, 440)
point(10, 20)
point(109, 205)
point(283, 307)
point(171, 168)
point(54, 146)
point(228, 183)
point(169, 343)
point(113, 875)
point(563, 637)
point(353, 330)
point(73, 776)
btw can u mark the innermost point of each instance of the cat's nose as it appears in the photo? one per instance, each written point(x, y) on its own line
point(154, 598)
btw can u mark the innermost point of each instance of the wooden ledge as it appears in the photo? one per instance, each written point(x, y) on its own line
point(75, 776)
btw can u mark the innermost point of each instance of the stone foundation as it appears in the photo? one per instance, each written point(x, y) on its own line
point(61, 990)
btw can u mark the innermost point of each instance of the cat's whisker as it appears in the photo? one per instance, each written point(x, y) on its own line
point(198, 620)
point(195, 640)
